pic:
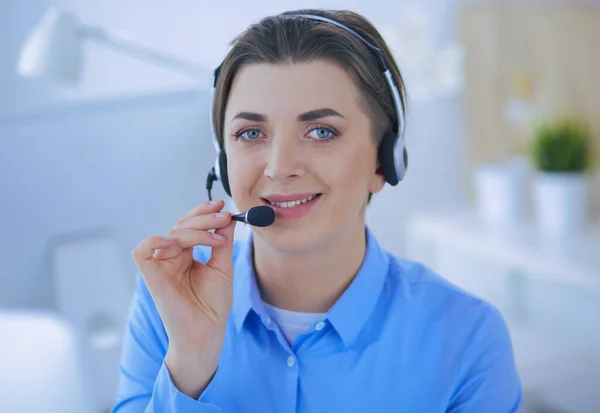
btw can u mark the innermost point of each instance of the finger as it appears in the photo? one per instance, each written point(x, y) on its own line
point(145, 250)
point(205, 208)
point(205, 222)
point(221, 256)
point(188, 238)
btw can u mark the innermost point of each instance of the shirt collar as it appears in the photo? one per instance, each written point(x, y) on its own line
point(352, 310)
point(348, 315)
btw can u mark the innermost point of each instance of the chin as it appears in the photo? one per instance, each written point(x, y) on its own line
point(292, 238)
point(303, 236)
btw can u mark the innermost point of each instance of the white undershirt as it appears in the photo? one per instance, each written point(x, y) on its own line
point(292, 323)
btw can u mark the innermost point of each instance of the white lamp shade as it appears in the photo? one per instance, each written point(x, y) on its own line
point(53, 49)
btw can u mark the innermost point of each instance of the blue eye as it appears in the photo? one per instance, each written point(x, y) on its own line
point(322, 133)
point(249, 134)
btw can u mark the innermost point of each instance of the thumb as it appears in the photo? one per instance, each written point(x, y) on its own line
point(222, 256)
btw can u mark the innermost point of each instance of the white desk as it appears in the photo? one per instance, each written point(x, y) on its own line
point(530, 280)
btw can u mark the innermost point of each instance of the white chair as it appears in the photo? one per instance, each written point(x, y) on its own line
point(41, 369)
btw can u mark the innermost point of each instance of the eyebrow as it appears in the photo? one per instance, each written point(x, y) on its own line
point(304, 117)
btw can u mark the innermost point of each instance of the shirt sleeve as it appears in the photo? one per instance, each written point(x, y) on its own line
point(145, 384)
point(488, 379)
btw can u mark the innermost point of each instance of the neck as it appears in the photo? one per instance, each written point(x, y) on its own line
point(311, 281)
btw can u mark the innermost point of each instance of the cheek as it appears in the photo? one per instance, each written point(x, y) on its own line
point(351, 170)
point(243, 171)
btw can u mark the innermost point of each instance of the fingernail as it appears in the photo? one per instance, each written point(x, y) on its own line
point(167, 238)
point(213, 202)
point(221, 215)
point(218, 237)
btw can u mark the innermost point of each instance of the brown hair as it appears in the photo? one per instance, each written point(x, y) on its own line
point(290, 39)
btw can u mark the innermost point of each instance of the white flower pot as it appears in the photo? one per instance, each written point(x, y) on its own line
point(595, 197)
point(561, 202)
point(500, 193)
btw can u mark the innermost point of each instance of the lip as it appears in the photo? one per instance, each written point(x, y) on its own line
point(294, 212)
point(289, 197)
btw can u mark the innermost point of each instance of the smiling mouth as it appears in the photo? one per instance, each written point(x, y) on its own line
point(292, 204)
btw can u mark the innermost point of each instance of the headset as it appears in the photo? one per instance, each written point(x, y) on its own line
point(392, 154)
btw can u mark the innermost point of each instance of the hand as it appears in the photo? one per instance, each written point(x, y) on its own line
point(193, 299)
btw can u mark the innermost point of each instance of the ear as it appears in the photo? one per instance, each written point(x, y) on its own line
point(377, 181)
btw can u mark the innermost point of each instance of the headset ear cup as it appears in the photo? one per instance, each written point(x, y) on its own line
point(223, 172)
point(386, 158)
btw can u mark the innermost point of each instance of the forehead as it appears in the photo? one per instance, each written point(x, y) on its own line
point(296, 87)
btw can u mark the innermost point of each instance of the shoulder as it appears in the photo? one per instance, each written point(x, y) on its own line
point(469, 328)
point(435, 298)
point(464, 328)
point(417, 280)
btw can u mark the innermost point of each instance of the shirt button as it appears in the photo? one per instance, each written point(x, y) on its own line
point(291, 361)
point(320, 326)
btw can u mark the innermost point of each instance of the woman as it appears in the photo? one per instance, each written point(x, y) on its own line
point(310, 314)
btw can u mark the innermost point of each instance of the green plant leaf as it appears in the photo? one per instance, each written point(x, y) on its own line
point(562, 145)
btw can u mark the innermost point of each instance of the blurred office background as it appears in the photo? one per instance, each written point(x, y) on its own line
point(90, 169)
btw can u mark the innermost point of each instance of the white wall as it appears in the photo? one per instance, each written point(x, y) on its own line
point(128, 168)
point(71, 192)
point(200, 31)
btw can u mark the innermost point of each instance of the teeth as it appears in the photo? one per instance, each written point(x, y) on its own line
point(292, 204)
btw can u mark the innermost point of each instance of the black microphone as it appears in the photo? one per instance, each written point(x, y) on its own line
point(258, 216)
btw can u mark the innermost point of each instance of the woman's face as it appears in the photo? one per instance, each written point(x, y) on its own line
point(298, 140)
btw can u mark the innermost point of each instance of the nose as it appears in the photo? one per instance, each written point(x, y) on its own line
point(284, 162)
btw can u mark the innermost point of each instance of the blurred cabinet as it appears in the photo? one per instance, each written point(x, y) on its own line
point(548, 292)
point(93, 295)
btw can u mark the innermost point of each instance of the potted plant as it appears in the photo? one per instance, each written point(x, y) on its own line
point(561, 156)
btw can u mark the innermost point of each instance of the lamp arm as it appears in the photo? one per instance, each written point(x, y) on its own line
point(144, 53)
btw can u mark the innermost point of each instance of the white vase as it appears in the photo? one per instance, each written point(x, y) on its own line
point(500, 193)
point(561, 203)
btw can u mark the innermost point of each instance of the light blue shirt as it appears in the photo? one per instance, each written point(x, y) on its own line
point(399, 339)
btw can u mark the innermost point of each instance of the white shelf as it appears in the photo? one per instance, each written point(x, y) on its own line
point(575, 260)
